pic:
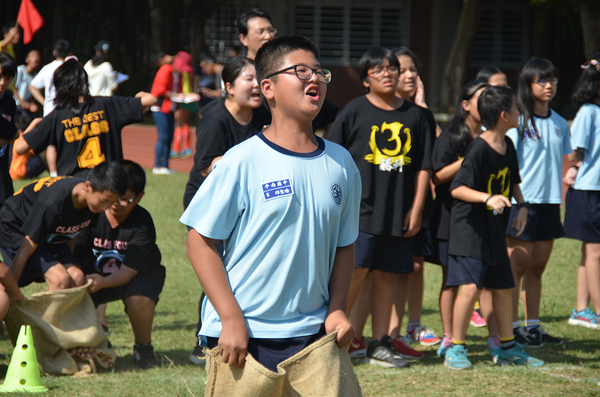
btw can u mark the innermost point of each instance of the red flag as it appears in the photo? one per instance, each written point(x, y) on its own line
point(30, 20)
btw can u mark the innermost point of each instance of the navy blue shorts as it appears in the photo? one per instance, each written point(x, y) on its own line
point(543, 223)
point(270, 352)
point(384, 253)
point(423, 243)
point(582, 216)
point(463, 270)
point(42, 259)
point(148, 284)
point(442, 254)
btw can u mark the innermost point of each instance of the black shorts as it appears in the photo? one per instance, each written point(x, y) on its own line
point(271, 352)
point(543, 223)
point(42, 259)
point(464, 270)
point(442, 254)
point(148, 284)
point(385, 253)
point(582, 216)
point(423, 243)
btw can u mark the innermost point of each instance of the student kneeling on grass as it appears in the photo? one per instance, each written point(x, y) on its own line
point(119, 253)
point(288, 227)
point(483, 187)
point(40, 221)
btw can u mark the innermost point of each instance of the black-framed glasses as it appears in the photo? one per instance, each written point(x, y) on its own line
point(379, 71)
point(124, 202)
point(305, 73)
point(543, 82)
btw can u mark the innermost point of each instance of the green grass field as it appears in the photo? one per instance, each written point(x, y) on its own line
point(571, 369)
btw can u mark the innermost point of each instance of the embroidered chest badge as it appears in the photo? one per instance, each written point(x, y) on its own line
point(277, 189)
point(336, 193)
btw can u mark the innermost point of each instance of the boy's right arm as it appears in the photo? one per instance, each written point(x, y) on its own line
point(9, 282)
point(206, 261)
point(496, 201)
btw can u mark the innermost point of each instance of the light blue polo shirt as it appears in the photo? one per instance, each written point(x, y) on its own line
point(541, 159)
point(585, 134)
point(282, 216)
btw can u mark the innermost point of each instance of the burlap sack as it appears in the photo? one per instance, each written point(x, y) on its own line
point(321, 370)
point(67, 336)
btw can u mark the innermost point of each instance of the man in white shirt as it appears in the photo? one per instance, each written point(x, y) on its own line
point(44, 79)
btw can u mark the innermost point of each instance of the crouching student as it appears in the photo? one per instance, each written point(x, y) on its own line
point(286, 204)
point(483, 187)
point(118, 253)
point(38, 224)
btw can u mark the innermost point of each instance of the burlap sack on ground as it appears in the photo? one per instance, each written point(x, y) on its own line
point(321, 370)
point(67, 336)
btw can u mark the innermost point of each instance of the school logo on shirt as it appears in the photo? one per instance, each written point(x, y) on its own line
point(529, 133)
point(499, 184)
point(390, 145)
point(336, 193)
point(558, 132)
point(277, 189)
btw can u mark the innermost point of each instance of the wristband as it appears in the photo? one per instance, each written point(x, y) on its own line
point(53, 174)
point(487, 199)
point(524, 204)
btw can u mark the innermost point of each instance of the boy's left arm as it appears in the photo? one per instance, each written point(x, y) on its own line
point(521, 220)
point(339, 287)
point(412, 220)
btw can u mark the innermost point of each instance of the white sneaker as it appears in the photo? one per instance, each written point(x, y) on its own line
point(162, 171)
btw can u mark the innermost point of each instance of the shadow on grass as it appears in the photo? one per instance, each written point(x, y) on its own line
point(179, 358)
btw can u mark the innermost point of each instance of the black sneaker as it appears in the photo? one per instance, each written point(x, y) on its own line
point(198, 357)
point(144, 357)
point(523, 338)
point(539, 333)
point(384, 353)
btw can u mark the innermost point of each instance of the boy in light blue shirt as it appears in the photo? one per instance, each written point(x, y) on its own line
point(286, 205)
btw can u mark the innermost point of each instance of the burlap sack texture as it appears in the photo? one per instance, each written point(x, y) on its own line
point(67, 335)
point(320, 370)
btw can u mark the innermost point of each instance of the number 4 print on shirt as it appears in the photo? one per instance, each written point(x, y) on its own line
point(91, 154)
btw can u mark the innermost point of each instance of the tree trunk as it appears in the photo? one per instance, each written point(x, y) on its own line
point(589, 12)
point(456, 66)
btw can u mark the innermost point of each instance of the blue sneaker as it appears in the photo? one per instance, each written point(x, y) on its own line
point(456, 358)
point(585, 318)
point(516, 356)
point(493, 346)
point(444, 346)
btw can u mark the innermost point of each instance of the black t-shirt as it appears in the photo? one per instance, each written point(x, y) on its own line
point(44, 211)
point(216, 133)
point(475, 231)
point(102, 249)
point(8, 131)
point(326, 115)
point(389, 148)
point(428, 207)
point(88, 138)
point(444, 154)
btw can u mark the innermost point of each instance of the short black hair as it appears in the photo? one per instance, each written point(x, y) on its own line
point(109, 175)
point(135, 175)
point(71, 82)
point(405, 51)
point(8, 67)
point(8, 26)
point(242, 23)
point(487, 72)
point(492, 102)
point(62, 48)
point(270, 56)
point(586, 88)
point(232, 69)
point(374, 58)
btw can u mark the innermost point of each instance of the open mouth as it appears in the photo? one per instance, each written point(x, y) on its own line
point(312, 92)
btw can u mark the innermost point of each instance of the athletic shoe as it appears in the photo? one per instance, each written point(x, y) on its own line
point(174, 155)
point(539, 333)
point(522, 337)
point(357, 348)
point(105, 329)
point(162, 171)
point(517, 356)
point(406, 351)
point(444, 346)
point(424, 335)
point(198, 357)
point(456, 358)
point(384, 353)
point(185, 154)
point(584, 318)
point(477, 319)
point(144, 357)
point(493, 345)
